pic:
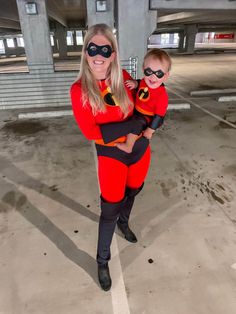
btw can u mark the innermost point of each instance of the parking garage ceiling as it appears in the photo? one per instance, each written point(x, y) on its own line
point(69, 13)
point(206, 20)
point(72, 13)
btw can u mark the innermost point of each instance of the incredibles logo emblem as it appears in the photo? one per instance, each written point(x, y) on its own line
point(143, 94)
point(109, 98)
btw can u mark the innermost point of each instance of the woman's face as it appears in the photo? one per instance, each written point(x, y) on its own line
point(99, 56)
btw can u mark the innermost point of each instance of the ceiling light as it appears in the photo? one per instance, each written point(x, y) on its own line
point(31, 8)
point(101, 6)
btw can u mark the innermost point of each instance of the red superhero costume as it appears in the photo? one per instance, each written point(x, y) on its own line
point(117, 170)
point(152, 103)
point(121, 175)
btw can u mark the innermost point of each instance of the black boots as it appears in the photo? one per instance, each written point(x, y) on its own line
point(123, 221)
point(104, 277)
point(107, 223)
point(127, 232)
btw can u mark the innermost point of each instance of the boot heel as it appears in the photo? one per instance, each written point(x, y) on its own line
point(104, 277)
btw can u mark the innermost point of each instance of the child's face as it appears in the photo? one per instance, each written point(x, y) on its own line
point(161, 68)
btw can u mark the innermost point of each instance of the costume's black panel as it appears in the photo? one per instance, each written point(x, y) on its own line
point(141, 119)
point(128, 159)
point(112, 131)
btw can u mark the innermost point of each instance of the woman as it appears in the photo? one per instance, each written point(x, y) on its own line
point(103, 108)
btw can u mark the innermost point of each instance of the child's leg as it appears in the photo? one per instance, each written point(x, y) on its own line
point(129, 144)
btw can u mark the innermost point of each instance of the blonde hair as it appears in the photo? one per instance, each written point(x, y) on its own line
point(158, 54)
point(90, 89)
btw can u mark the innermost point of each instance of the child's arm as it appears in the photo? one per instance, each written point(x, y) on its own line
point(148, 132)
point(156, 122)
point(131, 84)
point(160, 112)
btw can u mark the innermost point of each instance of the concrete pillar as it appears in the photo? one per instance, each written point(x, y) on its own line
point(60, 35)
point(94, 17)
point(16, 49)
point(181, 41)
point(15, 42)
point(74, 40)
point(35, 30)
point(83, 34)
point(7, 50)
point(171, 38)
point(191, 32)
point(135, 24)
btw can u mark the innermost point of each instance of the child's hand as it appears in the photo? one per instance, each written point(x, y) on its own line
point(148, 133)
point(131, 84)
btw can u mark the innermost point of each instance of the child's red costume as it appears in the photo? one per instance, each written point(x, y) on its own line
point(152, 103)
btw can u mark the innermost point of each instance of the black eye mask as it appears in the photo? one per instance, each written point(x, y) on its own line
point(159, 73)
point(94, 50)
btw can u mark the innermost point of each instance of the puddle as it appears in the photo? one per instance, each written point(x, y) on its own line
point(216, 197)
point(24, 127)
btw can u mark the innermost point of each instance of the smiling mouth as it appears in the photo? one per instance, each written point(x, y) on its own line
point(152, 82)
point(97, 62)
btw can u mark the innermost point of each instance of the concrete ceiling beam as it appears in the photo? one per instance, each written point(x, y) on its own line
point(175, 17)
point(198, 17)
point(201, 28)
point(8, 10)
point(192, 4)
point(54, 13)
point(4, 23)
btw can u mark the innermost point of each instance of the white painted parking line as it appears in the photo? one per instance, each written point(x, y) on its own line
point(118, 293)
point(213, 92)
point(179, 106)
point(203, 109)
point(227, 98)
point(61, 113)
point(45, 114)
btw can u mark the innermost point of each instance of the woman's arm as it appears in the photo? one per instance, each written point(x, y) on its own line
point(91, 130)
point(112, 131)
point(83, 115)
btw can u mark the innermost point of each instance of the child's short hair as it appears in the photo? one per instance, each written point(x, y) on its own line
point(158, 54)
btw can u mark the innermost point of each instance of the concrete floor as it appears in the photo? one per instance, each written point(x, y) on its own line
point(185, 219)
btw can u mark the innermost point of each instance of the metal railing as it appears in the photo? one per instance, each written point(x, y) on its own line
point(45, 88)
point(130, 66)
